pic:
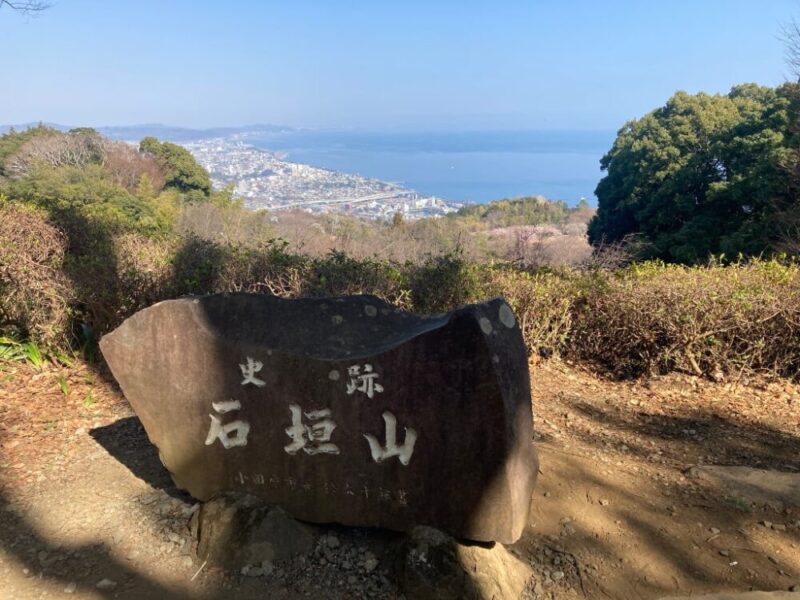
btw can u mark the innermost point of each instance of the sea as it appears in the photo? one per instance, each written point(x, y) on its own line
point(458, 166)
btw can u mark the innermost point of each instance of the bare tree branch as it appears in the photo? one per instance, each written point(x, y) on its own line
point(790, 36)
point(26, 6)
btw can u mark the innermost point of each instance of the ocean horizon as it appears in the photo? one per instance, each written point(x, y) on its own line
point(458, 166)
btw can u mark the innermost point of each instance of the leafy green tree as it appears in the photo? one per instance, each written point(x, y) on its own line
point(183, 171)
point(702, 175)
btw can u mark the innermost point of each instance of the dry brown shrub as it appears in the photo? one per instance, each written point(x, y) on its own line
point(546, 246)
point(55, 150)
point(144, 271)
point(543, 303)
point(317, 236)
point(35, 295)
point(267, 270)
point(127, 166)
point(719, 321)
point(119, 276)
point(225, 225)
point(610, 256)
point(568, 251)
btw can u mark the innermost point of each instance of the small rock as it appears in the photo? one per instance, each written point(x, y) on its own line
point(175, 538)
point(351, 580)
point(105, 584)
point(433, 566)
point(691, 472)
point(70, 588)
point(603, 502)
point(233, 529)
point(795, 588)
point(255, 572)
point(267, 567)
point(779, 527)
point(245, 570)
point(724, 552)
point(766, 524)
point(370, 564)
point(333, 541)
point(713, 530)
point(556, 575)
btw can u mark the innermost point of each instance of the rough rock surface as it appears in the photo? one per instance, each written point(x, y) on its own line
point(234, 530)
point(434, 566)
point(340, 410)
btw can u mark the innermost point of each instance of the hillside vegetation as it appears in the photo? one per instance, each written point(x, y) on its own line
point(94, 230)
point(529, 210)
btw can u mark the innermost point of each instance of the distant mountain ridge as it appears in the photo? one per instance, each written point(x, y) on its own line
point(163, 132)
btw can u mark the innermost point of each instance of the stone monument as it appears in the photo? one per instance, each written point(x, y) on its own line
point(340, 410)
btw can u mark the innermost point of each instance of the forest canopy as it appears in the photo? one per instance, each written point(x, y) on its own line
point(705, 175)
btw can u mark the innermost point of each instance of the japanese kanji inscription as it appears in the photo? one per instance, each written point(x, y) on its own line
point(338, 409)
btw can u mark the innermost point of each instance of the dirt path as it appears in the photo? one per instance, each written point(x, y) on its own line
point(620, 511)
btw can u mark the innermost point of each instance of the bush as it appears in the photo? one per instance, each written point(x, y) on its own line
point(444, 282)
point(35, 295)
point(712, 320)
point(544, 303)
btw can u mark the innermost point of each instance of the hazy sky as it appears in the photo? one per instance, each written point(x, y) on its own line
point(380, 64)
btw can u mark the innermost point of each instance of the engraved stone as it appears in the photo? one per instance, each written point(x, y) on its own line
point(375, 417)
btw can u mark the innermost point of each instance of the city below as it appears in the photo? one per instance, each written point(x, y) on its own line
point(265, 180)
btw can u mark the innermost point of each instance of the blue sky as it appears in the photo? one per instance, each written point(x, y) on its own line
point(402, 65)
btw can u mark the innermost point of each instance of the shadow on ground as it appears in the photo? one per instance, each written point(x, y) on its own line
point(715, 438)
point(71, 566)
point(127, 441)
